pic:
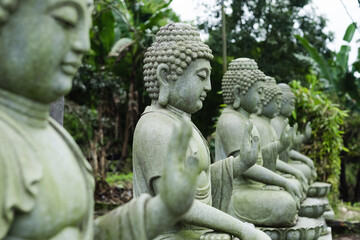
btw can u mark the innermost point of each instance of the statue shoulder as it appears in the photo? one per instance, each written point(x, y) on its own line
point(230, 120)
point(155, 126)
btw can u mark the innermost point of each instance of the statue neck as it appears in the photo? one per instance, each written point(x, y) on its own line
point(242, 111)
point(174, 110)
point(267, 119)
point(282, 117)
point(24, 110)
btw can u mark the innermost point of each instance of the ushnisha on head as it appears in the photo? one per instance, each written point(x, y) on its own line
point(242, 72)
point(176, 45)
point(288, 100)
point(270, 90)
point(287, 93)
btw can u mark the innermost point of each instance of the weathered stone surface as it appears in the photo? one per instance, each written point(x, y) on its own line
point(305, 228)
point(46, 184)
point(177, 77)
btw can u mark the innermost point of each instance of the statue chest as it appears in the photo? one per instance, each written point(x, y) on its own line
point(61, 201)
point(198, 148)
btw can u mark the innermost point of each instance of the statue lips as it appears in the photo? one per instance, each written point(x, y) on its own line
point(202, 97)
point(70, 68)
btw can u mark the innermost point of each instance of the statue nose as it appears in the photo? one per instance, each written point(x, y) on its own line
point(81, 46)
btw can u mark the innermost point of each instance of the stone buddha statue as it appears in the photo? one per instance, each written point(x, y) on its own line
point(303, 163)
point(271, 144)
point(177, 78)
point(46, 184)
point(258, 195)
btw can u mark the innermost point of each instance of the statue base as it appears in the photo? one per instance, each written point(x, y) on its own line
point(328, 236)
point(305, 229)
point(313, 207)
point(319, 189)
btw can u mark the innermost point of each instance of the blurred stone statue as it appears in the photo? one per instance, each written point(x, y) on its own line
point(303, 163)
point(177, 78)
point(260, 195)
point(46, 184)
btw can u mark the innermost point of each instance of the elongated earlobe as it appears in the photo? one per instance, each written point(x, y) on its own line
point(236, 103)
point(237, 97)
point(161, 75)
point(163, 96)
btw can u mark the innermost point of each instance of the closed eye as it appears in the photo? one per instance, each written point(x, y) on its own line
point(65, 15)
point(202, 74)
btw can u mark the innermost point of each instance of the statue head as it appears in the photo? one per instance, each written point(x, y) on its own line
point(41, 45)
point(272, 98)
point(288, 100)
point(177, 68)
point(242, 85)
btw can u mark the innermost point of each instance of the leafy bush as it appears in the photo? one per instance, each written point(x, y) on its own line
point(327, 120)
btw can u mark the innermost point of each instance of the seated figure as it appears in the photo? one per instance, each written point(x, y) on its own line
point(177, 77)
point(46, 184)
point(271, 145)
point(303, 163)
point(258, 194)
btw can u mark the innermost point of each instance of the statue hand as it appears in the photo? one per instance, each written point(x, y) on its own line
point(177, 186)
point(294, 192)
point(285, 135)
point(215, 236)
point(256, 235)
point(303, 180)
point(249, 148)
point(296, 137)
point(308, 131)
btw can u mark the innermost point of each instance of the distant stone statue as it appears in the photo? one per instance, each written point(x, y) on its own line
point(271, 144)
point(46, 184)
point(303, 163)
point(177, 77)
point(258, 196)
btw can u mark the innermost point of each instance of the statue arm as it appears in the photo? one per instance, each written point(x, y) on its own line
point(5, 222)
point(286, 168)
point(146, 217)
point(143, 218)
point(203, 215)
point(301, 157)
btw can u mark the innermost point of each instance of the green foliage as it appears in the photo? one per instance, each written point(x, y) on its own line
point(264, 30)
point(327, 121)
point(336, 69)
point(119, 179)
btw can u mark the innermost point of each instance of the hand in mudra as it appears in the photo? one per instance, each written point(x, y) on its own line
point(285, 135)
point(249, 148)
point(294, 192)
point(178, 182)
point(256, 234)
point(296, 137)
point(216, 236)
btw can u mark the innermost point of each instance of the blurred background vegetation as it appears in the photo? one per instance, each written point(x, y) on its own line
point(108, 96)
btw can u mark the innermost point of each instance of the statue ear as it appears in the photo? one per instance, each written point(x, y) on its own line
point(237, 97)
point(162, 72)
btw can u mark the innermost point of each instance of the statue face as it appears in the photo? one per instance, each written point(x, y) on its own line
point(272, 109)
point(41, 47)
point(251, 101)
point(287, 107)
point(189, 91)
